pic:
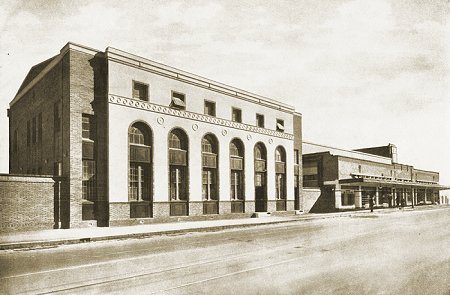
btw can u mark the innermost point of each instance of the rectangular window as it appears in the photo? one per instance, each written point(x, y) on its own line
point(296, 157)
point(88, 180)
point(208, 185)
point(177, 186)
point(279, 186)
point(140, 91)
point(280, 125)
point(15, 144)
point(57, 116)
point(28, 133)
point(88, 127)
point(236, 185)
point(236, 115)
point(178, 100)
point(33, 130)
point(260, 120)
point(40, 128)
point(210, 108)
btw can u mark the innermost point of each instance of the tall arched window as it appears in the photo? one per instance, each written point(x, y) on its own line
point(139, 176)
point(178, 172)
point(237, 175)
point(237, 169)
point(280, 173)
point(209, 167)
point(260, 155)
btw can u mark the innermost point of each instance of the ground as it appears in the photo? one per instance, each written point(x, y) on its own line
point(386, 252)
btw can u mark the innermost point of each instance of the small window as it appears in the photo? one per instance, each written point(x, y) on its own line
point(296, 157)
point(33, 130)
point(210, 108)
point(236, 115)
point(280, 125)
point(260, 120)
point(88, 128)
point(178, 100)
point(140, 91)
point(39, 131)
point(57, 116)
point(28, 133)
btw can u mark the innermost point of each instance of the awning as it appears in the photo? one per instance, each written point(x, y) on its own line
point(178, 102)
point(390, 182)
point(280, 126)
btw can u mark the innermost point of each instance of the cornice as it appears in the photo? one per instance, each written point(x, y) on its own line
point(143, 105)
point(129, 59)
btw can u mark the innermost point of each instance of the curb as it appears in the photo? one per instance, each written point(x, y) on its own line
point(70, 241)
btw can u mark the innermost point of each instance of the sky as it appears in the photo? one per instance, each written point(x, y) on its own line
point(362, 72)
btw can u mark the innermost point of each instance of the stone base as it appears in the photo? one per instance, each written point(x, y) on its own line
point(249, 206)
point(195, 208)
point(224, 207)
point(271, 205)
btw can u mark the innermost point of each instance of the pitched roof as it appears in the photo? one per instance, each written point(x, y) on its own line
point(34, 71)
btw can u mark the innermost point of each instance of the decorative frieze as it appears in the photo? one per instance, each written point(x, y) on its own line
point(143, 105)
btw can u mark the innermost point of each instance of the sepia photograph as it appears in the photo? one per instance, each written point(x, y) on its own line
point(225, 147)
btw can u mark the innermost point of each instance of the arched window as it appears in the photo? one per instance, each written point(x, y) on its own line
point(280, 173)
point(209, 169)
point(178, 171)
point(237, 172)
point(139, 176)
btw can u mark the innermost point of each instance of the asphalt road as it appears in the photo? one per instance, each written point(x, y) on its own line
point(405, 252)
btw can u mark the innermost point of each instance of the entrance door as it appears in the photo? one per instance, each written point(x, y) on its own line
point(260, 192)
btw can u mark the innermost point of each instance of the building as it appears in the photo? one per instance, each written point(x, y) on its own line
point(337, 179)
point(133, 141)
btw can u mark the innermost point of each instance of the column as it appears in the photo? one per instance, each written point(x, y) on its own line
point(392, 199)
point(377, 197)
point(358, 198)
point(337, 196)
point(425, 196)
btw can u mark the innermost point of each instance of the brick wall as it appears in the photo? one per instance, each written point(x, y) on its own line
point(26, 202)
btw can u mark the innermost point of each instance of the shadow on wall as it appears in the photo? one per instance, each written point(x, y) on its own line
point(318, 200)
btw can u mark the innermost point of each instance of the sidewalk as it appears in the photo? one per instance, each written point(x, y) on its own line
point(54, 237)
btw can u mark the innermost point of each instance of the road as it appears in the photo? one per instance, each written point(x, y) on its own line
point(404, 252)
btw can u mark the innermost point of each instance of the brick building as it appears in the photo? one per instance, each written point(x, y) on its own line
point(336, 179)
point(138, 141)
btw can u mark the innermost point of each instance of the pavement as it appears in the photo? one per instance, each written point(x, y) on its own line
point(54, 237)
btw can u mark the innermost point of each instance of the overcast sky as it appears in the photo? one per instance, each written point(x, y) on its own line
point(363, 72)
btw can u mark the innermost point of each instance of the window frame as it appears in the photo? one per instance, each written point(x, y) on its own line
point(147, 90)
point(260, 116)
point(213, 104)
point(233, 109)
point(172, 104)
point(279, 122)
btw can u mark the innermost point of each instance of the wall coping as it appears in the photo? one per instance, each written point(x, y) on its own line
point(26, 178)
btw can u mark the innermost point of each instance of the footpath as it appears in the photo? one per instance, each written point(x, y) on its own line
point(55, 237)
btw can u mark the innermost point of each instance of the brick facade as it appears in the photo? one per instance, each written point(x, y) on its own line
point(27, 203)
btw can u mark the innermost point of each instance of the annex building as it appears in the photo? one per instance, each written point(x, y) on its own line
point(131, 141)
point(338, 179)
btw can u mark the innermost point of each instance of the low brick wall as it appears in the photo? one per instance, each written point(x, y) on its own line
point(26, 203)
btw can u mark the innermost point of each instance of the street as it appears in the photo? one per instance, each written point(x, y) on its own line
point(385, 252)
